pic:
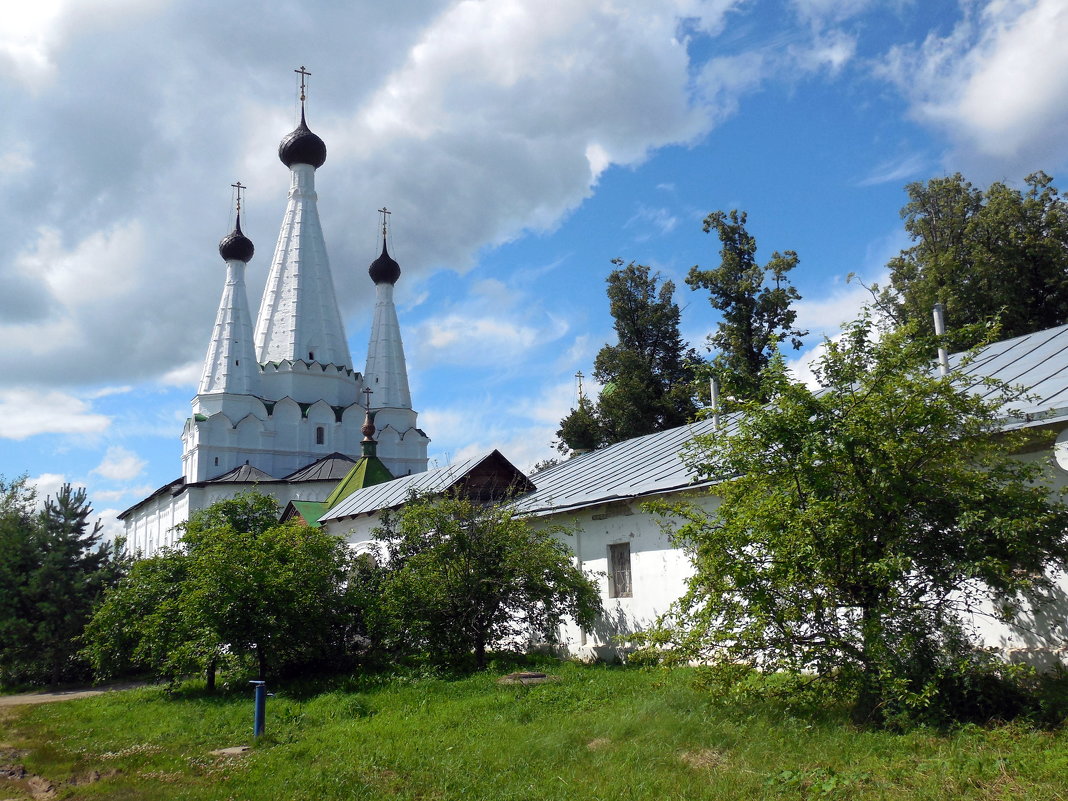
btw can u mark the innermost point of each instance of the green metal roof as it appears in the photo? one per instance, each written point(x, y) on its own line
point(311, 511)
point(367, 472)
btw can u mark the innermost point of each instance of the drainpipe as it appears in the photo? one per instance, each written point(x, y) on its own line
point(715, 403)
point(940, 331)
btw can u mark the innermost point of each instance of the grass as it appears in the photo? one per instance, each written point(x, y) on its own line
point(597, 733)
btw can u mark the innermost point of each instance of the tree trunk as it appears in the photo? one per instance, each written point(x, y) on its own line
point(869, 698)
point(210, 675)
point(261, 660)
point(480, 653)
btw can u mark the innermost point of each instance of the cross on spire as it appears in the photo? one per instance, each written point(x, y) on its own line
point(303, 74)
point(385, 220)
point(368, 392)
point(238, 187)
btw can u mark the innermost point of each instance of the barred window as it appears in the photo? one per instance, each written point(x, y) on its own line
point(619, 585)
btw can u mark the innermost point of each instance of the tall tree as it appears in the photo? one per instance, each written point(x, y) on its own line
point(647, 376)
point(860, 524)
point(69, 578)
point(18, 542)
point(1002, 253)
point(58, 568)
point(756, 302)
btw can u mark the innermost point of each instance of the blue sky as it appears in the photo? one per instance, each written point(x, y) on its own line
point(521, 144)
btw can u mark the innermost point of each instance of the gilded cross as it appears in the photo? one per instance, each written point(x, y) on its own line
point(303, 74)
point(238, 187)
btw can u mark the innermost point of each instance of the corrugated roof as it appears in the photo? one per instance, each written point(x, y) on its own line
point(635, 467)
point(649, 465)
point(393, 493)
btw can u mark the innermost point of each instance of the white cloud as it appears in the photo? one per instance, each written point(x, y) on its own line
point(475, 122)
point(132, 493)
point(831, 51)
point(184, 375)
point(825, 315)
point(48, 485)
point(105, 392)
point(997, 84)
point(120, 464)
point(660, 219)
point(28, 412)
point(25, 39)
point(111, 527)
point(895, 171)
point(497, 326)
point(823, 12)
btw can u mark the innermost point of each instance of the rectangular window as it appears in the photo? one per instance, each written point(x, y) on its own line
point(619, 585)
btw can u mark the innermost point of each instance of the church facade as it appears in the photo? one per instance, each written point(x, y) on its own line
point(280, 406)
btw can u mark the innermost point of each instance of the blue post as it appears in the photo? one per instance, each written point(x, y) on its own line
point(260, 707)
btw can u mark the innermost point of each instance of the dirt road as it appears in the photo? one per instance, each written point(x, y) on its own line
point(52, 696)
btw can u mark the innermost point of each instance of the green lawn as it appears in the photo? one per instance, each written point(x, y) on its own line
point(597, 733)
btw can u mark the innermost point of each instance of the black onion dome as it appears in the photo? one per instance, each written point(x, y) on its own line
point(384, 270)
point(235, 245)
point(302, 147)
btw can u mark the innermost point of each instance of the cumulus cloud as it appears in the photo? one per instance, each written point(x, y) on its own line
point(997, 84)
point(473, 121)
point(48, 485)
point(120, 464)
point(496, 326)
point(27, 413)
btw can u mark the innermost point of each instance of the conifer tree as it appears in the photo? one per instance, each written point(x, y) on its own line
point(53, 569)
point(756, 302)
point(647, 376)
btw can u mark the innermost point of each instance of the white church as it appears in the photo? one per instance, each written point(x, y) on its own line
point(281, 409)
point(280, 406)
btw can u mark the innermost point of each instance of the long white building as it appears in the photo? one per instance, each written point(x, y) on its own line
point(280, 405)
point(599, 498)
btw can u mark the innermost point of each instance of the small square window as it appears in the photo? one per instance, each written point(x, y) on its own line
point(619, 584)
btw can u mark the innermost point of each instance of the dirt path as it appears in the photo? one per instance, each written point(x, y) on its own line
point(51, 696)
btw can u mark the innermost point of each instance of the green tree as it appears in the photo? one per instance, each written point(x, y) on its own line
point(859, 525)
point(57, 569)
point(237, 584)
point(756, 302)
point(580, 430)
point(459, 578)
point(1000, 254)
point(648, 375)
point(18, 558)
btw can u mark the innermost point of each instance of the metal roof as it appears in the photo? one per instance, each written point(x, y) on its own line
point(393, 493)
point(333, 467)
point(241, 475)
point(648, 465)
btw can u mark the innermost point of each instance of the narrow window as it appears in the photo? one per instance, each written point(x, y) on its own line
point(619, 571)
point(320, 435)
point(237, 362)
point(216, 461)
point(311, 356)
